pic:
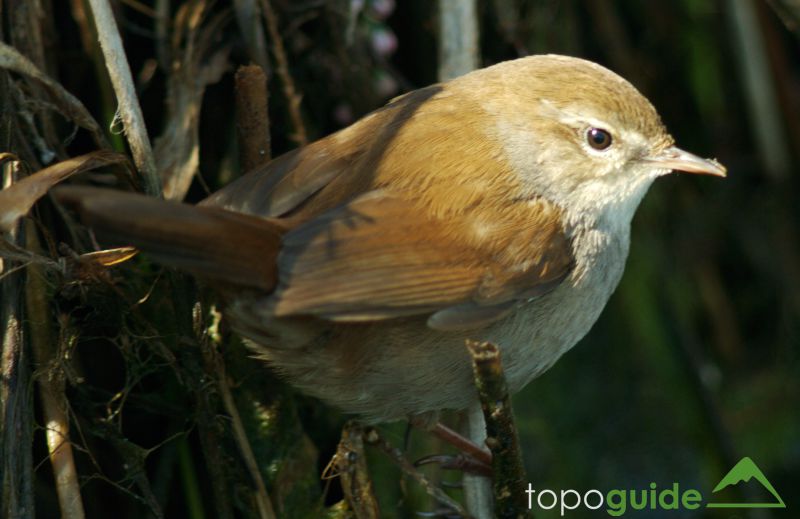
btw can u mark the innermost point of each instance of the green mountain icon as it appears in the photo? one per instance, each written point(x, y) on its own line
point(744, 471)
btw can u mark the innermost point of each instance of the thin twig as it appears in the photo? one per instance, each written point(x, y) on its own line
point(282, 67)
point(198, 60)
point(16, 407)
point(51, 388)
point(502, 439)
point(12, 252)
point(252, 32)
point(372, 437)
point(67, 104)
point(215, 361)
point(162, 21)
point(350, 464)
point(263, 501)
point(200, 380)
point(134, 461)
point(129, 109)
point(478, 495)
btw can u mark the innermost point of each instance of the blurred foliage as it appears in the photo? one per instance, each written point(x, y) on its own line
point(693, 365)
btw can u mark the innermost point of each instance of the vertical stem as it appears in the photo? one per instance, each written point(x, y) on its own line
point(458, 38)
point(477, 489)
point(350, 464)
point(16, 408)
point(263, 502)
point(458, 54)
point(762, 102)
point(282, 67)
point(247, 17)
point(215, 366)
point(508, 476)
point(252, 117)
point(129, 109)
point(372, 437)
point(51, 388)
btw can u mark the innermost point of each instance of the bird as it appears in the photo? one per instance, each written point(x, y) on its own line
point(495, 206)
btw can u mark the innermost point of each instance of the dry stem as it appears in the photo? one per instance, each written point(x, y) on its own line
point(508, 480)
point(215, 361)
point(129, 109)
point(263, 501)
point(16, 408)
point(350, 464)
point(282, 67)
point(372, 437)
point(51, 389)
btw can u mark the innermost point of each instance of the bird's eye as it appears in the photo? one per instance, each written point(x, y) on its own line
point(598, 138)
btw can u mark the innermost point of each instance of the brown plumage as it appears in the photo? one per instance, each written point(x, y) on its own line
point(359, 264)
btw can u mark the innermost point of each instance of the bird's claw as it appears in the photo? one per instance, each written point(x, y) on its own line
point(461, 461)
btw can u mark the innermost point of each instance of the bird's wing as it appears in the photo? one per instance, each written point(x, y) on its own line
point(280, 185)
point(381, 257)
point(286, 183)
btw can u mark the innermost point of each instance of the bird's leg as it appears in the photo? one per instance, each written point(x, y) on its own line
point(372, 437)
point(472, 458)
point(462, 462)
point(463, 444)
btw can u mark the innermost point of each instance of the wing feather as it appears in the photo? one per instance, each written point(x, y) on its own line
point(381, 256)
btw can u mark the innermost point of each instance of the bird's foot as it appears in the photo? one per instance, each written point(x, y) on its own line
point(473, 458)
point(461, 461)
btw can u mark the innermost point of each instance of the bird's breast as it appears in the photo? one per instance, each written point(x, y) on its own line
point(542, 329)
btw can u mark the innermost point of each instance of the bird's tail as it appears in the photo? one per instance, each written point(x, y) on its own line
point(212, 243)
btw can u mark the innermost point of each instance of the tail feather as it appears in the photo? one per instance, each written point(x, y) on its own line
point(211, 243)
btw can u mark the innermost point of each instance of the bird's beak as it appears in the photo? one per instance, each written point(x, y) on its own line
point(679, 160)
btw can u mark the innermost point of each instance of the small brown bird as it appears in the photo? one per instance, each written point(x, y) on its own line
point(496, 206)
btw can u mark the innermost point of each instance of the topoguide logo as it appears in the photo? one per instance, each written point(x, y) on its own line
point(618, 502)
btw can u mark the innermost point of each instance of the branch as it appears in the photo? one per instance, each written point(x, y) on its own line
point(51, 388)
point(350, 464)
point(129, 110)
point(16, 406)
point(215, 363)
point(372, 437)
point(282, 67)
point(502, 438)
